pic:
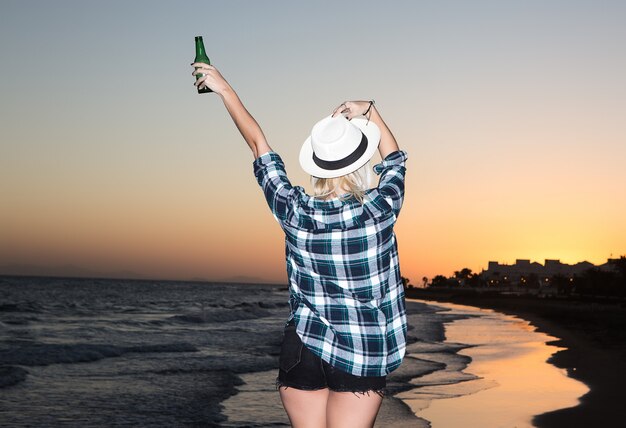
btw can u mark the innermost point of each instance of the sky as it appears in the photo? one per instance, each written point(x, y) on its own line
point(511, 112)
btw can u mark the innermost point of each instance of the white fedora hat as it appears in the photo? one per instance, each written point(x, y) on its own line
point(338, 146)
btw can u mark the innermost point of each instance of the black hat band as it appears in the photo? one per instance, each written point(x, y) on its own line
point(348, 160)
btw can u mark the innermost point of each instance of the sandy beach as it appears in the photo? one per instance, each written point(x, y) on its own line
point(594, 337)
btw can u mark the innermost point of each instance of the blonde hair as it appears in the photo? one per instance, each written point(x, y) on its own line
point(355, 184)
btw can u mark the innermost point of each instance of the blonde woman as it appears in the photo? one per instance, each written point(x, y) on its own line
point(347, 325)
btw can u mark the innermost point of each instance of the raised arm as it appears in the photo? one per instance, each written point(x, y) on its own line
point(351, 109)
point(247, 125)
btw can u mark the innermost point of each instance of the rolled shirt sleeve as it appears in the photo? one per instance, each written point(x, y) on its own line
point(271, 175)
point(392, 171)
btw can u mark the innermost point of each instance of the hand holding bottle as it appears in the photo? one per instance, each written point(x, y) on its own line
point(211, 78)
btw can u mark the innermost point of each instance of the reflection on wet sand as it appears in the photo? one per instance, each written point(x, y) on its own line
point(507, 382)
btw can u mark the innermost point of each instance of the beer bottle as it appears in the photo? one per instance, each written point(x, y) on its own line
point(201, 57)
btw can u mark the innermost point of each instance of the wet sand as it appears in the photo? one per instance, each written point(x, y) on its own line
point(513, 382)
point(593, 335)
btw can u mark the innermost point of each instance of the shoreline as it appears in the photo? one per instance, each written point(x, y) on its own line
point(424, 354)
point(594, 354)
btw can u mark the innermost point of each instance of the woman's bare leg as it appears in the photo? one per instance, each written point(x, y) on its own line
point(354, 410)
point(306, 409)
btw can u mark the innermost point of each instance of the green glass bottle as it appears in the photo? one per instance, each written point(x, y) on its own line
point(201, 57)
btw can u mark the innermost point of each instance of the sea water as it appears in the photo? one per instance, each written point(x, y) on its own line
point(94, 352)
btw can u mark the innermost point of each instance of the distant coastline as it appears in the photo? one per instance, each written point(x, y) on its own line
point(82, 274)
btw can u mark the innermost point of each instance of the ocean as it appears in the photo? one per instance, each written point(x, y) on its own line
point(99, 352)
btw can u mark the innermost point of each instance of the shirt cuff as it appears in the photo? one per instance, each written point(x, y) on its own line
point(397, 158)
point(266, 158)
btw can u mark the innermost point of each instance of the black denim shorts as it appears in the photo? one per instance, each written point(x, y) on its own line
point(300, 368)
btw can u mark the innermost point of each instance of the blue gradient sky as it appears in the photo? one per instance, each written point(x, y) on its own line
point(512, 114)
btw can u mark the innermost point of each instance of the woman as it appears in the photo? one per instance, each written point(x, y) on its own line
point(347, 326)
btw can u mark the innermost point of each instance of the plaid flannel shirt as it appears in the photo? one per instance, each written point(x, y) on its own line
point(346, 294)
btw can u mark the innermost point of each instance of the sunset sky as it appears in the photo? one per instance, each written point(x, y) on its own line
point(512, 114)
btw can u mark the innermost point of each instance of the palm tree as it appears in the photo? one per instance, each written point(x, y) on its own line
point(439, 280)
point(425, 281)
point(463, 275)
point(405, 282)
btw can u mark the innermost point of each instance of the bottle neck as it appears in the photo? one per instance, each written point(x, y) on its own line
point(200, 47)
point(200, 52)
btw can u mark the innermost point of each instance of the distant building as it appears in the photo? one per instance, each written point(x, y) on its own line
point(524, 271)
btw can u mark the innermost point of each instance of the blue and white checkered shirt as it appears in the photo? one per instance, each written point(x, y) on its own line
point(346, 294)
